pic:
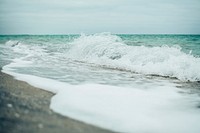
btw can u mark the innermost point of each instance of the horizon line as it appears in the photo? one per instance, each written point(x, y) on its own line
point(25, 34)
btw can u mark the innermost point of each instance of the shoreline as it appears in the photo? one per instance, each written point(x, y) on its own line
point(25, 108)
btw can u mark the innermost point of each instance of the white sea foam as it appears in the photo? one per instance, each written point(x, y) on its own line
point(12, 43)
point(156, 110)
point(110, 51)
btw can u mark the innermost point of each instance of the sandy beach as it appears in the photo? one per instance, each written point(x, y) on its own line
point(25, 109)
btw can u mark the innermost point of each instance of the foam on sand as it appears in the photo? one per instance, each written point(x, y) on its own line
point(158, 109)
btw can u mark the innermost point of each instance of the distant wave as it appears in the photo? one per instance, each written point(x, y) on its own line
point(110, 51)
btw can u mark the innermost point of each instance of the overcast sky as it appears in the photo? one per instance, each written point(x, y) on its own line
point(94, 16)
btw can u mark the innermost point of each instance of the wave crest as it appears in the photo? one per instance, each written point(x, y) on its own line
point(110, 51)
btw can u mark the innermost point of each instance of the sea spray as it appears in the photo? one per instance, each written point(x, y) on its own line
point(110, 51)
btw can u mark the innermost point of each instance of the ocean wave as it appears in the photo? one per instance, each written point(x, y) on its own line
point(109, 50)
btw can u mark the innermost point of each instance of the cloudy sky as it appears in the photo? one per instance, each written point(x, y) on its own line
point(92, 16)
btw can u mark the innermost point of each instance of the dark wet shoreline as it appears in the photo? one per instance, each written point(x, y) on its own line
point(25, 109)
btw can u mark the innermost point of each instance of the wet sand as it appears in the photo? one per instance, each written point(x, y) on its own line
point(25, 109)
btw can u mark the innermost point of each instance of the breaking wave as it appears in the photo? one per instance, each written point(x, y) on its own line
point(110, 51)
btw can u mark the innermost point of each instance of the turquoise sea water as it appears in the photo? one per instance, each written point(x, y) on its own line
point(57, 47)
point(186, 42)
point(153, 79)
